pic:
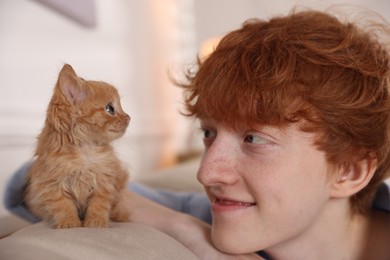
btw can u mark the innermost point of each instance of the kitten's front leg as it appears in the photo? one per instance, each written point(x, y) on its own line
point(63, 213)
point(120, 211)
point(98, 212)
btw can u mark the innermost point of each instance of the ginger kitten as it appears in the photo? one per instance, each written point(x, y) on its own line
point(76, 179)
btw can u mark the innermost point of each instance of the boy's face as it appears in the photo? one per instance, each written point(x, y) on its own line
point(268, 186)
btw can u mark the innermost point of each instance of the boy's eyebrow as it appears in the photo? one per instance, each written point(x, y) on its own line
point(205, 121)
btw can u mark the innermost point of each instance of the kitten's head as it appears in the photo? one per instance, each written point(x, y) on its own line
point(87, 111)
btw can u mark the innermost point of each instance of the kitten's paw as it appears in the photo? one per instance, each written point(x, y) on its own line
point(120, 217)
point(96, 223)
point(67, 223)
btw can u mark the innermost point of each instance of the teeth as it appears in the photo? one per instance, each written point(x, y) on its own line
point(228, 202)
point(244, 204)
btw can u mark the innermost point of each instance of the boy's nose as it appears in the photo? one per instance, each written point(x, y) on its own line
point(218, 165)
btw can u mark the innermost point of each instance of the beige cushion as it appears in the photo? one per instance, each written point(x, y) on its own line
point(121, 241)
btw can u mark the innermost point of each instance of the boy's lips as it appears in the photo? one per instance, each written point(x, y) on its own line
point(229, 202)
point(221, 202)
point(223, 205)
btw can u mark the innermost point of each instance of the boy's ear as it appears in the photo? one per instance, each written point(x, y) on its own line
point(351, 180)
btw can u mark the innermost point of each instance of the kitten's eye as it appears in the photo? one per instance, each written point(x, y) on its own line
point(110, 109)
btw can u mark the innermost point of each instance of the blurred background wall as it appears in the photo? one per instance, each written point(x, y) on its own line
point(132, 44)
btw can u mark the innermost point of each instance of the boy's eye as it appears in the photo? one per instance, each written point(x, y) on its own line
point(207, 133)
point(208, 137)
point(110, 109)
point(255, 139)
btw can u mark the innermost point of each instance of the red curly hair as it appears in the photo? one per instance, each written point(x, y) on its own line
point(307, 67)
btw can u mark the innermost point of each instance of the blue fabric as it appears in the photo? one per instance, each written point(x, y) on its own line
point(195, 204)
point(13, 197)
point(382, 198)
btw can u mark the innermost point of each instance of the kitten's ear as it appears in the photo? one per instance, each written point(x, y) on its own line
point(72, 86)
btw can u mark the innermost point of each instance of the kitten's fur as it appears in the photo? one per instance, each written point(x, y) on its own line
point(76, 179)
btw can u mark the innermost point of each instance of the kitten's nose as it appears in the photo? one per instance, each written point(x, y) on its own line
point(127, 118)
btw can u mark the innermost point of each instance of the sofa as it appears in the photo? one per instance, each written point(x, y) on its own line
point(120, 241)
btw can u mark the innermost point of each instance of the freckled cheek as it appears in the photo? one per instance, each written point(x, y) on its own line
point(267, 177)
point(260, 170)
point(295, 184)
